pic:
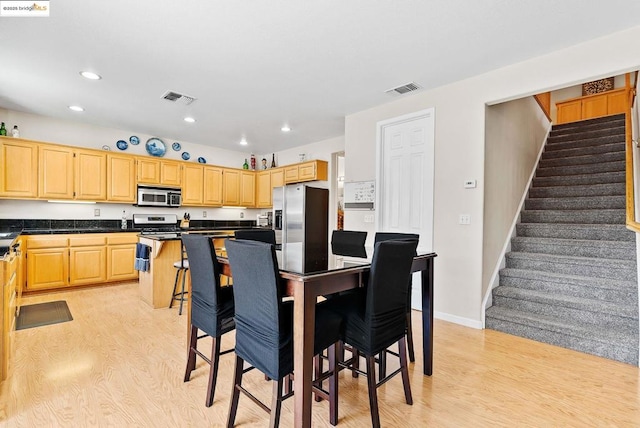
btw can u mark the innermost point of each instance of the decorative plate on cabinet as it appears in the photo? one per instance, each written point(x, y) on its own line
point(155, 147)
point(122, 145)
point(202, 160)
point(176, 146)
point(134, 140)
point(186, 155)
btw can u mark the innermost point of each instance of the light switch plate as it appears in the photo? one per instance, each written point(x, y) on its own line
point(470, 184)
point(96, 212)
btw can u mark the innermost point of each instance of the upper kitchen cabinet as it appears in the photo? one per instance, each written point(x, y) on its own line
point(91, 175)
point(247, 189)
point(306, 171)
point(192, 184)
point(212, 186)
point(55, 172)
point(121, 178)
point(231, 187)
point(265, 182)
point(19, 173)
point(155, 171)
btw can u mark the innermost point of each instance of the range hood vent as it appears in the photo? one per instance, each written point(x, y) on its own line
point(176, 97)
point(400, 90)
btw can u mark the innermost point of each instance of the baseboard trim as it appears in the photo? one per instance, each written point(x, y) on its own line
point(467, 322)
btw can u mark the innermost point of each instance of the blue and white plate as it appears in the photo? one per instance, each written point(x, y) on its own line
point(122, 145)
point(176, 146)
point(155, 147)
point(134, 140)
point(202, 160)
point(186, 155)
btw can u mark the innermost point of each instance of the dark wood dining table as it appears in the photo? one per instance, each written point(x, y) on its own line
point(342, 273)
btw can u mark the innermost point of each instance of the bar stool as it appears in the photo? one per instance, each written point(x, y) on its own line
point(182, 267)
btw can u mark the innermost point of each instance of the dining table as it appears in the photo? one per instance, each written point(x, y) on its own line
point(339, 273)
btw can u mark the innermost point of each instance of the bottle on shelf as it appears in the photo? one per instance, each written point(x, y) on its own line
point(253, 162)
point(123, 224)
point(3, 130)
point(15, 133)
point(245, 165)
point(273, 160)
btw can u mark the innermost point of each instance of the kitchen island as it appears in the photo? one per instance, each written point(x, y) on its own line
point(156, 284)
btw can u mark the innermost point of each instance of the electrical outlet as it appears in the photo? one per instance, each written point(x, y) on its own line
point(465, 219)
point(96, 212)
point(241, 215)
point(368, 218)
point(470, 184)
point(204, 214)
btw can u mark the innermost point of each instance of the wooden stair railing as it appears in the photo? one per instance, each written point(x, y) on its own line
point(631, 220)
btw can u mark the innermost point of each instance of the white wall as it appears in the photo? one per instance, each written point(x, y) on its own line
point(514, 134)
point(459, 153)
point(41, 128)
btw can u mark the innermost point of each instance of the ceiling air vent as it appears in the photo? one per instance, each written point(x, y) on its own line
point(409, 87)
point(175, 97)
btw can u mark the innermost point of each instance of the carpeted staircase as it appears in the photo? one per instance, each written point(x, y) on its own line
point(571, 277)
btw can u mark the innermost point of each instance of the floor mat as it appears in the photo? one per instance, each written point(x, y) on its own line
point(43, 314)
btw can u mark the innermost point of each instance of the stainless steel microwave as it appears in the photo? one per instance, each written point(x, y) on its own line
point(159, 196)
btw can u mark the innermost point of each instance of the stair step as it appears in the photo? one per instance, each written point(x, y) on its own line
point(602, 122)
point(624, 270)
point(607, 189)
point(605, 232)
point(568, 180)
point(604, 342)
point(580, 151)
point(568, 308)
point(580, 169)
point(587, 134)
point(587, 142)
point(624, 250)
point(579, 286)
point(586, 159)
point(608, 216)
point(576, 203)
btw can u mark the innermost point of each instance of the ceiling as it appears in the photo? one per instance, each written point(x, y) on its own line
point(256, 65)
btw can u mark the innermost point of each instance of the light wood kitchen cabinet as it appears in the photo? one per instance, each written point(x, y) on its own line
point(121, 178)
point(55, 172)
point(148, 171)
point(47, 262)
point(193, 185)
point(306, 171)
point(121, 253)
point(277, 177)
point(212, 186)
point(154, 171)
point(19, 168)
point(57, 261)
point(87, 259)
point(231, 187)
point(263, 189)
point(91, 175)
point(247, 189)
point(8, 285)
point(592, 106)
point(170, 173)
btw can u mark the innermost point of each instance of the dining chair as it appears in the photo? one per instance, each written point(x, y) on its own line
point(348, 243)
point(264, 328)
point(261, 235)
point(375, 316)
point(386, 236)
point(212, 307)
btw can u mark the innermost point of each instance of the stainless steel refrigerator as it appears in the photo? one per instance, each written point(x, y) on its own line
point(301, 224)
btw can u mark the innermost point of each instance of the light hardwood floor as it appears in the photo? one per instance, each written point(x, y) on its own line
point(120, 363)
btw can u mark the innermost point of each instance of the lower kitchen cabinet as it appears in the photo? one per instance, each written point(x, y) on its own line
point(57, 261)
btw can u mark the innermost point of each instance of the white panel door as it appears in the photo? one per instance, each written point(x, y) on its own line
point(405, 180)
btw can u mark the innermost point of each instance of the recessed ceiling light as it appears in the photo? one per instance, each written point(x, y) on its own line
point(243, 142)
point(90, 75)
point(285, 128)
point(76, 108)
point(189, 119)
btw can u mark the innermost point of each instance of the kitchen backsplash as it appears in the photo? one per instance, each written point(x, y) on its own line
point(44, 224)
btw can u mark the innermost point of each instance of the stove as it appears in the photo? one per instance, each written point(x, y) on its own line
point(157, 225)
